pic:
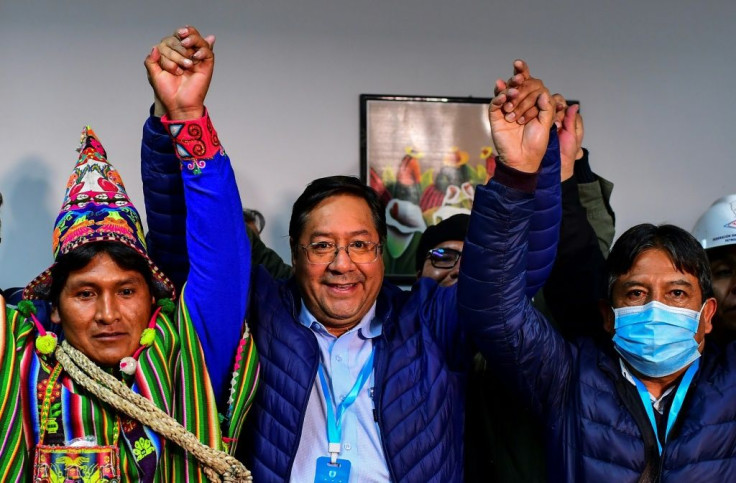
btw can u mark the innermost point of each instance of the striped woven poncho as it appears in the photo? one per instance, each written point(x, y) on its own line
point(171, 373)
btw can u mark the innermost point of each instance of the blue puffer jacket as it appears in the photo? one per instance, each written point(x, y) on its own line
point(596, 426)
point(420, 366)
point(422, 356)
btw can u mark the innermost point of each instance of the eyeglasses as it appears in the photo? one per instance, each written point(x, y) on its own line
point(443, 257)
point(324, 253)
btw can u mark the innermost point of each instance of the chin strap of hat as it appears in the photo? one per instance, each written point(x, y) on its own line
point(218, 465)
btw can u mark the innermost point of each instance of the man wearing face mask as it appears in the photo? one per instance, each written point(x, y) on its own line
point(654, 402)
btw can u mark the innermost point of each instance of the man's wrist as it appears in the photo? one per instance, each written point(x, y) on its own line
point(513, 178)
point(188, 114)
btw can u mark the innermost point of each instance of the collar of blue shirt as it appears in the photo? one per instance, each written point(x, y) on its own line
point(369, 327)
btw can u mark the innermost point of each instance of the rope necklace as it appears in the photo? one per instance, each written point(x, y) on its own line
point(218, 465)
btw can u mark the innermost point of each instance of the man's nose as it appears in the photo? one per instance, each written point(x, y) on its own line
point(342, 261)
point(107, 309)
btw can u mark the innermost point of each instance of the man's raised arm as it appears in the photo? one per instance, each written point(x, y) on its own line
point(217, 284)
point(497, 313)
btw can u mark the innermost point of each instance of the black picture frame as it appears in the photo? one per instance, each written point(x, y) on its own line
point(424, 155)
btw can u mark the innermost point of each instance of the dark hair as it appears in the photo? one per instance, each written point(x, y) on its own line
point(126, 257)
point(323, 188)
point(683, 249)
point(255, 217)
point(453, 228)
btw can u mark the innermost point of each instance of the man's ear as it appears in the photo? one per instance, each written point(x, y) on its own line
point(54, 315)
point(607, 315)
point(706, 314)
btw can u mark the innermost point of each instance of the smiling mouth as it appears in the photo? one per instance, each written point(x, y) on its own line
point(342, 287)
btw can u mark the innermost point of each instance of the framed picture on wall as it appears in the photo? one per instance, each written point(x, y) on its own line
point(424, 156)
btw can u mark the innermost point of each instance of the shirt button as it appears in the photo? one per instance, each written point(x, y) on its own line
point(347, 446)
point(338, 358)
point(342, 397)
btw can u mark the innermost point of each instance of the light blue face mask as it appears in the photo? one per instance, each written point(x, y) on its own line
point(656, 339)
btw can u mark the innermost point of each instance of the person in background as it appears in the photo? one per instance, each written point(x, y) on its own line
point(439, 250)
point(716, 232)
point(261, 254)
point(254, 220)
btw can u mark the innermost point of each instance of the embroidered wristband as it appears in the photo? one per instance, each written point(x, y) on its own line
point(195, 141)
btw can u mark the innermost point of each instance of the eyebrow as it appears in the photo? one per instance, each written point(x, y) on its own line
point(332, 235)
point(83, 282)
point(678, 283)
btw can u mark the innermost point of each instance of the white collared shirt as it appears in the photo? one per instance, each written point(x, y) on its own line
point(343, 358)
point(657, 403)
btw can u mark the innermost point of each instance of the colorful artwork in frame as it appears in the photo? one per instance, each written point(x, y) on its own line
point(424, 156)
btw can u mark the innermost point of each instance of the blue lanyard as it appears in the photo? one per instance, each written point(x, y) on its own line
point(676, 401)
point(334, 421)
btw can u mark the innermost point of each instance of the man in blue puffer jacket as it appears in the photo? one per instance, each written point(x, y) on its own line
point(336, 337)
point(653, 403)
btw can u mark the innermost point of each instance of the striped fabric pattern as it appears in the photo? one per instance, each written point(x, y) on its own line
point(171, 373)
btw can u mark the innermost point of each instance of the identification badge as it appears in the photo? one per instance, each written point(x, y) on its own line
point(66, 463)
point(332, 473)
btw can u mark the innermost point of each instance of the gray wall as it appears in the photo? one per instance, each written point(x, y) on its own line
point(654, 79)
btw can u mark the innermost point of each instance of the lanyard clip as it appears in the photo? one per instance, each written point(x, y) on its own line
point(334, 450)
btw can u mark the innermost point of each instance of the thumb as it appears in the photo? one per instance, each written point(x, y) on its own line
point(210, 39)
point(547, 110)
point(568, 123)
point(151, 62)
point(494, 108)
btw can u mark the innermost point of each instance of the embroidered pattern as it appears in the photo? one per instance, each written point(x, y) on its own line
point(67, 464)
point(195, 141)
point(142, 448)
point(96, 207)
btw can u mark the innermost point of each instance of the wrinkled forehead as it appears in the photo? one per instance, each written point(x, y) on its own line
point(652, 267)
point(340, 214)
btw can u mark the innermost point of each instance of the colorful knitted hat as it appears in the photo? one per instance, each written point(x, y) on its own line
point(95, 208)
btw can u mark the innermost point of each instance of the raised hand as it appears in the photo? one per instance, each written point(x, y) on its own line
point(579, 133)
point(522, 146)
point(566, 121)
point(180, 70)
point(521, 87)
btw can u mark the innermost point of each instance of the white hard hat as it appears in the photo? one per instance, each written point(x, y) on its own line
point(717, 226)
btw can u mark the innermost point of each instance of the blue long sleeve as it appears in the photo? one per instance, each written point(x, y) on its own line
point(493, 293)
point(214, 241)
point(163, 192)
point(544, 229)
